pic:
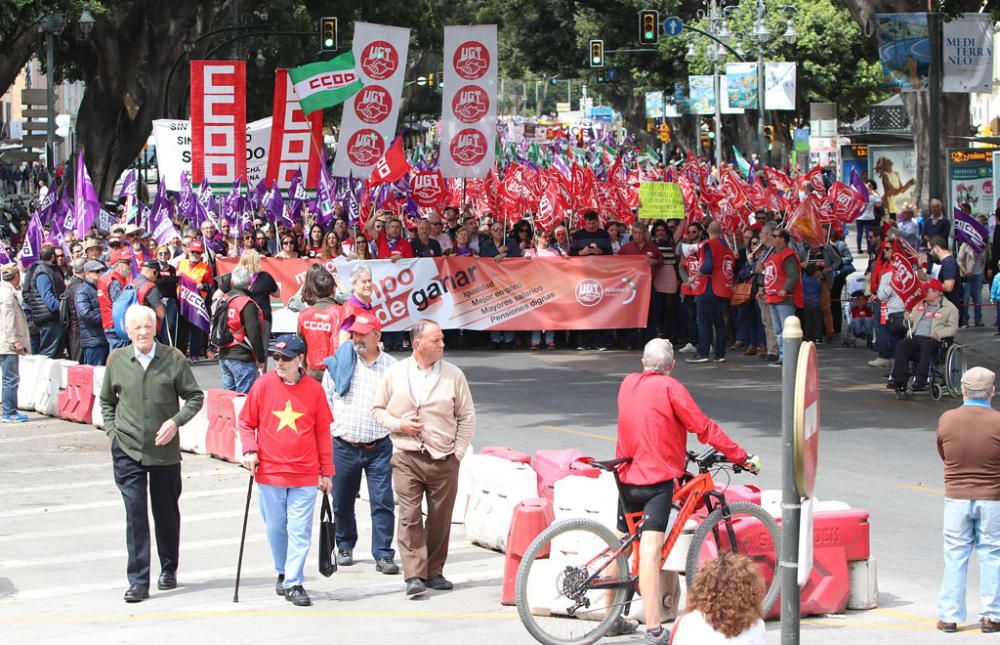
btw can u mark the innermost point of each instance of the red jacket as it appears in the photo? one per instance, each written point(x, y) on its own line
point(384, 251)
point(320, 329)
point(288, 426)
point(104, 295)
point(655, 413)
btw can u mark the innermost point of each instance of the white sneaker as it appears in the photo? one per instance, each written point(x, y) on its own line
point(880, 362)
point(688, 349)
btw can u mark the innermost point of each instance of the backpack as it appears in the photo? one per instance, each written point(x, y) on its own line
point(128, 297)
point(219, 333)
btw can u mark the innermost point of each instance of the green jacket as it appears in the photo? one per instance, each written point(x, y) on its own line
point(136, 402)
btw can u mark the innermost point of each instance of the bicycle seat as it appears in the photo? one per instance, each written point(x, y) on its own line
point(610, 464)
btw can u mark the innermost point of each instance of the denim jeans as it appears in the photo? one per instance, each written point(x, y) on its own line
point(550, 336)
point(968, 525)
point(711, 318)
point(114, 342)
point(288, 518)
point(997, 305)
point(501, 337)
point(95, 355)
point(778, 315)
point(237, 376)
point(348, 463)
point(973, 294)
point(9, 365)
point(50, 338)
point(749, 327)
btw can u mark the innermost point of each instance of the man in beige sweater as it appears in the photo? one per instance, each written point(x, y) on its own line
point(14, 340)
point(425, 403)
point(968, 441)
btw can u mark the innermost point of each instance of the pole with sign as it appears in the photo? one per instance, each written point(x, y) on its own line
point(790, 499)
point(806, 449)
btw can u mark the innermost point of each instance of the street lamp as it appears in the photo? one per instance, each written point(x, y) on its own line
point(52, 25)
point(86, 22)
point(260, 60)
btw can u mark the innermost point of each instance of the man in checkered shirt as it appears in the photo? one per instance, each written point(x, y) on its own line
point(362, 445)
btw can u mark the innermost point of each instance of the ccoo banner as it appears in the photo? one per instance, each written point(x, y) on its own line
point(369, 122)
point(173, 150)
point(469, 102)
point(517, 294)
point(968, 54)
point(296, 139)
point(218, 122)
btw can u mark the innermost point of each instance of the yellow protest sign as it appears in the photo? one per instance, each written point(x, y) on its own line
point(660, 200)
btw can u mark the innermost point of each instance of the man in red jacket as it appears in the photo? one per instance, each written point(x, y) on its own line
point(655, 415)
point(285, 431)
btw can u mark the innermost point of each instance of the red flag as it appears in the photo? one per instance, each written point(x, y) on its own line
point(393, 165)
point(427, 189)
point(777, 179)
point(904, 282)
point(804, 224)
point(847, 203)
point(815, 178)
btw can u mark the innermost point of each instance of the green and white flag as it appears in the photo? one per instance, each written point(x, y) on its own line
point(327, 83)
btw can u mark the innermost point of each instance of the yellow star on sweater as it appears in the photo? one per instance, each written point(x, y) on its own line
point(287, 417)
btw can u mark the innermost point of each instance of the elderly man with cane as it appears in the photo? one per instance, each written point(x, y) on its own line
point(285, 433)
point(142, 383)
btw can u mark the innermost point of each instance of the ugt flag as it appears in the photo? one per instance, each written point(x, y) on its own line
point(326, 83)
point(968, 230)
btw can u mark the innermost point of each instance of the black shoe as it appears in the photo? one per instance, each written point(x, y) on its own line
point(279, 586)
point(345, 557)
point(622, 626)
point(440, 583)
point(386, 566)
point(697, 359)
point(298, 596)
point(137, 593)
point(415, 586)
point(166, 581)
point(919, 387)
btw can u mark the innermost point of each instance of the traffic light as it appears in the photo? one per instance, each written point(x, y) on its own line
point(601, 76)
point(769, 133)
point(597, 53)
point(430, 80)
point(663, 132)
point(327, 34)
point(649, 27)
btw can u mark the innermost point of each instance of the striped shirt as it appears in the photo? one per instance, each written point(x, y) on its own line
point(352, 413)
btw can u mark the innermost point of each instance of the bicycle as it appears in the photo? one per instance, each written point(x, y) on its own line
point(578, 594)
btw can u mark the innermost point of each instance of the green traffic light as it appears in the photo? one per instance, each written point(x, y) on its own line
point(649, 35)
point(328, 42)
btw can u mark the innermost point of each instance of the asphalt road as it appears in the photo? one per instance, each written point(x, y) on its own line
point(62, 555)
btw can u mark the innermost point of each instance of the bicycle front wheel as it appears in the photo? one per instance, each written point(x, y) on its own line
point(571, 585)
point(756, 536)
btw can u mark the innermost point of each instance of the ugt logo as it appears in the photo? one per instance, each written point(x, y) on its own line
point(379, 60)
point(468, 148)
point(471, 60)
point(365, 147)
point(373, 105)
point(470, 104)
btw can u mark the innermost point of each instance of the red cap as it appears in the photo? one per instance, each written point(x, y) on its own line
point(934, 284)
point(363, 323)
point(196, 246)
point(121, 255)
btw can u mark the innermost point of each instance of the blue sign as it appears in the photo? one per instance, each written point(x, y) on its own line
point(672, 26)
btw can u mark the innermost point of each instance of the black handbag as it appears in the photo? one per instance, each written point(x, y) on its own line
point(897, 324)
point(327, 539)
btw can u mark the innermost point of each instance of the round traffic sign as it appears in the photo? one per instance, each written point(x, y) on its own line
point(806, 422)
point(672, 26)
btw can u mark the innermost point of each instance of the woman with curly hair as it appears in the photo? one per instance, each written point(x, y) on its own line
point(724, 605)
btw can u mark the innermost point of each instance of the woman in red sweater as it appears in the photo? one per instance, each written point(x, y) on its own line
point(285, 432)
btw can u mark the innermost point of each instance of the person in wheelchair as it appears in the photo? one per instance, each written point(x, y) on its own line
point(934, 319)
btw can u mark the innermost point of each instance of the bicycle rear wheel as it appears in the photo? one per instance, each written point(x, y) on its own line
point(756, 535)
point(555, 596)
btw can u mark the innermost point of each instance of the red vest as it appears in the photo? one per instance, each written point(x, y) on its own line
point(234, 309)
point(141, 292)
point(723, 261)
point(384, 251)
point(692, 265)
point(104, 297)
point(320, 329)
point(774, 278)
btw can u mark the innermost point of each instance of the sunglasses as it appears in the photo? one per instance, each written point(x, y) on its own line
point(288, 243)
point(164, 253)
point(281, 358)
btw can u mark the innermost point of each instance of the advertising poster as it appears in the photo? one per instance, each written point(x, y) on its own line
point(654, 105)
point(894, 171)
point(742, 85)
point(779, 86)
point(904, 49)
point(970, 181)
point(702, 90)
point(968, 54)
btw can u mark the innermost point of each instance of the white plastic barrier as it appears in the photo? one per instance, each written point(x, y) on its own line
point(193, 432)
point(30, 373)
point(52, 381)
point(461, 498)
point(863, 575)
point(595, 498)
point(496, 487)
point(672, 597)
point(238, 404)
point(98, 416)
point(770, 501)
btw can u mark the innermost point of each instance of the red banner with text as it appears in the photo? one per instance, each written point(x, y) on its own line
point(469, 293)
point(218, 122)
point(296, 139)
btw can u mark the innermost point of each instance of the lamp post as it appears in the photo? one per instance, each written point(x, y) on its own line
point(761, 36)
point(53, 25)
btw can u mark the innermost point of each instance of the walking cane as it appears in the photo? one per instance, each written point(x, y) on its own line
point(243, 538)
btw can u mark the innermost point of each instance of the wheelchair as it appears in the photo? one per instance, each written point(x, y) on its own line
point(945, 376)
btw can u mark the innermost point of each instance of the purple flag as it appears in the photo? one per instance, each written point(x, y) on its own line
point(161, 228)
point(325, 191)
point(191, 304)
point(297, 195)
point(33, 239)
point(186, 200)
point(857, 184)
point(86, 206)
point(47, 207)
point(968, 230)
point(274, 205)
point(128, 195)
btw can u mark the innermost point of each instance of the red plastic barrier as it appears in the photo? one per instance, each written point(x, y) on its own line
point(220, 440)
point(553, 465)
point(76, 402)
point(531, 517)
point(848, 529)
point(506, 453)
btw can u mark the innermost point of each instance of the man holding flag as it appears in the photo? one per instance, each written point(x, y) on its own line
point(971, 236)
